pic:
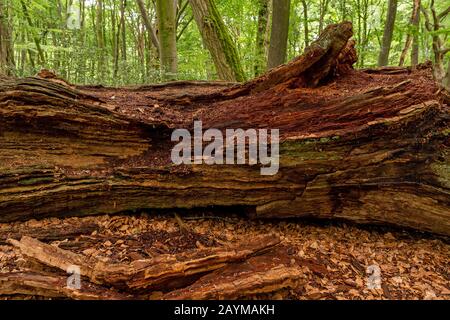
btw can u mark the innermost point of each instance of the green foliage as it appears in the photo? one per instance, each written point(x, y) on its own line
point(75, 55)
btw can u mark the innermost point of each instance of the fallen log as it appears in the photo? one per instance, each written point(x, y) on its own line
point(164, 272)
point(53, 286)
point(365, 147)
point(266, 273)
point(239, 275)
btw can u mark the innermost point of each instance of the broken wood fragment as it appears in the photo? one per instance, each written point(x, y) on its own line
point(163, 272)
point(55, 231)
point(272, 271)
point(54, 286)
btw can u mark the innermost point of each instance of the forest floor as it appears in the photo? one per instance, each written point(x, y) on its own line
point(412, 265)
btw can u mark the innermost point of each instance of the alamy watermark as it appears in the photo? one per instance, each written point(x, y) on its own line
point(74, 280)
point(238, 146)
point(373, 277)
point(74, 17)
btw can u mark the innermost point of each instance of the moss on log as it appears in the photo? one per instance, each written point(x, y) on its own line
point(365, 146)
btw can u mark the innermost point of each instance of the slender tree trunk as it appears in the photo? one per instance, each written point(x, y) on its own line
point(343, 9)
point(439, 48)
point(6, 48)
point(359, 26)
point(383, 58)
point(148, 24)
point(415, 43)
point(305, 22)
point(166, 12)
point(123, 32)
point(364, 32)
point(23, 55)
point(323, 11)
point(280, 33)
point(414, 21)
point(263, 21)
point(82, 41)
point(217, 39)
point(100, 40)
point(115, 30)
point(35, 38)
point(447, 77)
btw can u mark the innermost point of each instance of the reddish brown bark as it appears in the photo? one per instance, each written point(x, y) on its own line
point(367, 146)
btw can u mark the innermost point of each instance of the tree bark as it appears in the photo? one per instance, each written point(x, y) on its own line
point(218, 40)
point(7, 64)
point(365, 146)
point(123, 33)
point(447, 77)
point(100, 40)
point(35, 38)
point(323, 9)
point(412, 38)
point(148, 25)
point(433, 25)
point(305, 22)
point(279, 34)
point(164, 272)
point(383, 58)
point(415, 42)
point(53, 286)
point(263, 22)
point(166, 12)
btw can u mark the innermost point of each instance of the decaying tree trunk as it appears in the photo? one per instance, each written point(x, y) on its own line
point(53, 286)
point(366, 146)
point(187, 272)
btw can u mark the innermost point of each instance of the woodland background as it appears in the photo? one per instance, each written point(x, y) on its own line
point(122, 42)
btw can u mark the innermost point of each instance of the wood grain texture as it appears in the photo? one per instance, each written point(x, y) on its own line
point(365, 146)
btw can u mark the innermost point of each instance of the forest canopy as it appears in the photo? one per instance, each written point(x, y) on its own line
point(120, 42)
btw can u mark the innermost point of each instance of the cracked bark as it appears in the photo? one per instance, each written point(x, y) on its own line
point(367, 146)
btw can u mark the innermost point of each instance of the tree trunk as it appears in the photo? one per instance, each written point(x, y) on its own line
point(415, 43)
point(7, 64)
point(148, 25)
point(166, 12)
point(279, 34)
point(123, 33)
point(260, 52)
point(439, 45)
point(323, 9)
point(412, 38)
point(366, 146)
point(447, 77)
point(100, 41)
point(115, 31)
point(383, 58)
point(35, 38)
point(305, 22)
point(218, 40)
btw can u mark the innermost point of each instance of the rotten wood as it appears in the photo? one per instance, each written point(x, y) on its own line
point(54, 286)
point(367, 147)
point(69, 229)
point(266, 273)
point(163, 272)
